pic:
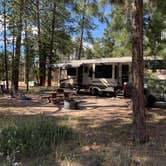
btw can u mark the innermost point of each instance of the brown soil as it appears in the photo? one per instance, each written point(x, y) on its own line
point(90, 107)
point(105, 124)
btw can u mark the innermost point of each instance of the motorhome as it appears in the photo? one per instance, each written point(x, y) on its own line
point(99, 76)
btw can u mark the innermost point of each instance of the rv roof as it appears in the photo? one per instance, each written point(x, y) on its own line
point(77, 63)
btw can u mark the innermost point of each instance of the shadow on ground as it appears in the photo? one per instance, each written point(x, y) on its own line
point(106, 139)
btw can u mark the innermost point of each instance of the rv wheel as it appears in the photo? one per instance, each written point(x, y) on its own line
point(93, 91)
point(110, 94)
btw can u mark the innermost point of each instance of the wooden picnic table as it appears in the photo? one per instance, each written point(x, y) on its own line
point(56, 97)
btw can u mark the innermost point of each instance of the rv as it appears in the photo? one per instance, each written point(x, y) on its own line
point(98, 76)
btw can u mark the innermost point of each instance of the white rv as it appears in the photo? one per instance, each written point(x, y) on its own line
point(98, 76)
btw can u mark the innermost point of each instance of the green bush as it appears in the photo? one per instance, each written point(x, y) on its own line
point(33, 138)
point(156, 86)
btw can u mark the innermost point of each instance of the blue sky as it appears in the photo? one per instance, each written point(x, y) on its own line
point(96, 33)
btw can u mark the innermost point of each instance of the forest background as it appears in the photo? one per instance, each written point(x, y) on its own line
point(35, 34)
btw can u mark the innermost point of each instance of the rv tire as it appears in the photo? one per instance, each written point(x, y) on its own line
point(110, 94)
point(93, 91)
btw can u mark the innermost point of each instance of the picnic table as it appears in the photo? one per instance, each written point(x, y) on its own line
point(58, 95)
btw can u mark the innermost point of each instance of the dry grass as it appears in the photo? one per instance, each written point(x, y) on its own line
point(104, 126)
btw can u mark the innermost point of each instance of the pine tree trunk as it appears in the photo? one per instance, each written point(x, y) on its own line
point(13, 49)
point(17, 60)
point(51, 46)
point(139, 123)
point(82, 31)
point(26, 65)
point(18, 47)
point(42, 57)
point(5, 45)
point(42, 69)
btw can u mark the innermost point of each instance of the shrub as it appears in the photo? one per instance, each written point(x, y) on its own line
point(33, 138)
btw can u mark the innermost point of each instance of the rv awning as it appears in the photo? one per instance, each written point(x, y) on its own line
point(77, 63)
point(66, 65)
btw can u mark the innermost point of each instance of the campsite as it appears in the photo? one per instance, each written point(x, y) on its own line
point(102, 129)
point(82, 83)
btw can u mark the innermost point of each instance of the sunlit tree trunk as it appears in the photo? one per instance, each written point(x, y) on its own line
point(139, 123)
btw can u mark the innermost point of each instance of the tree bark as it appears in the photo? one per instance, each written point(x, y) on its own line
point(139, 123)
point(82, 31)
point(81, 38)
point(42, 57)
point(5, 45)
point(13, 53)
point(18, 46)
point(51, 46)
point(26, 65)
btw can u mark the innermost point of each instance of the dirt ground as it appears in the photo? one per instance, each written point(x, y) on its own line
point(94, 112)
point(91, 107)
point(105, 123)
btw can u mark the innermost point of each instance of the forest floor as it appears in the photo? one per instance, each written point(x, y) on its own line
point(105, 132)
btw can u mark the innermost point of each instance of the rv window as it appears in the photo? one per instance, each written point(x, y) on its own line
point(71, 71)
point(90, 72)
point(103, 71)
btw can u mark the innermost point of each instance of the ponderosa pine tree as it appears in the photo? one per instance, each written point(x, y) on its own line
point(50, 53)
point(117, 34)
point(27, 55)
point(19, 7)
point(140, 133)
point(5, 42)
point(42, 56)
point(154, 26)
point(84, 12)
